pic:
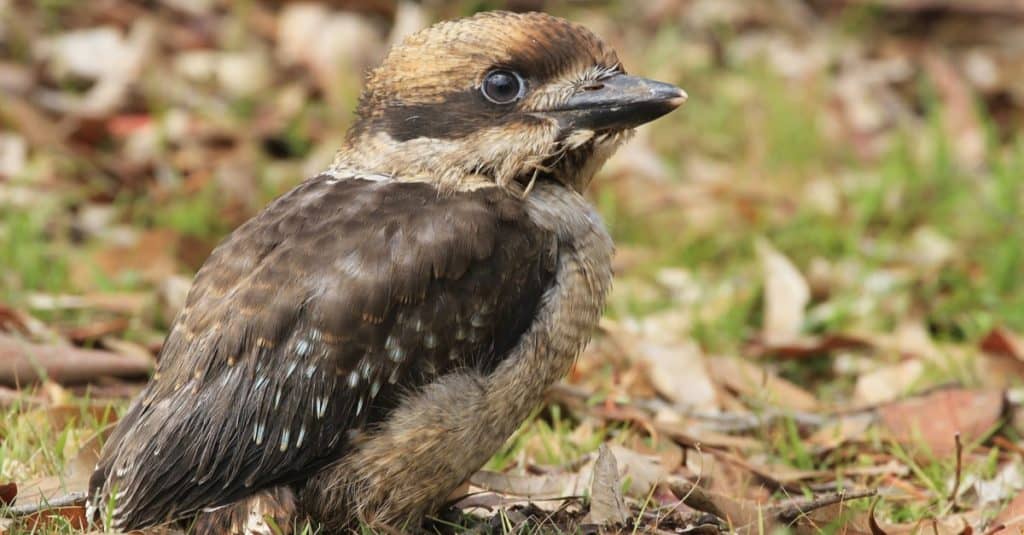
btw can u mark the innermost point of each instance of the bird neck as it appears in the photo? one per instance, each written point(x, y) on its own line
point(454, 165)
point(569, 310)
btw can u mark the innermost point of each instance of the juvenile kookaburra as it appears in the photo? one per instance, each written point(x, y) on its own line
point(363, 345)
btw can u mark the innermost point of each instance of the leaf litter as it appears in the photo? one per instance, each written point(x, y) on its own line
point(818, 293)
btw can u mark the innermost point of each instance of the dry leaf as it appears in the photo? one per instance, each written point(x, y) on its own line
point(752, 517)
point(8, 492)
point(786, 295)
point(96, 329)
point(119, 68)
point(912, 339)
point(887, 382)
point(1012, 517)
point(756, 383)
point(607, 508)
point(843, 429)
point(13, 155)
point(1006, 483)
point(529, 486)
point(151, 256)
point(1005, 363)
point(1002, 341)
point(642, 472)
point(171, 296)
point(935, 419)
point(75, 479)
point(20, 322)
point(327, 42)
point(410, 17)
point(46, 520)
point(806, 346)
point(678, 372)
point(929, 250)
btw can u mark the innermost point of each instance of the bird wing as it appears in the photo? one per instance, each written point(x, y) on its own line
point(308, 323)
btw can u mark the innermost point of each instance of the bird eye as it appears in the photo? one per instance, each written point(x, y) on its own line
point(502, 87)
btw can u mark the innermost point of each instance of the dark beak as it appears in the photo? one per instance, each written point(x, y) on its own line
point(618, 103)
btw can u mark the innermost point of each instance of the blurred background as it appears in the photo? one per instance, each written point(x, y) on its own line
point(820, 265)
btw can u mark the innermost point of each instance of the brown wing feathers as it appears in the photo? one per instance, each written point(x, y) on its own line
point(302, 326)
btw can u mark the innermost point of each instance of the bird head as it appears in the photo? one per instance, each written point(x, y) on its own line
point(500, 98)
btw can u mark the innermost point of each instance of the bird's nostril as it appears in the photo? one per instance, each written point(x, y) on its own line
point(593, 86)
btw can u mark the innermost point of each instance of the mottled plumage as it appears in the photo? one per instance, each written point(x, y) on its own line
point(372, 337)
point(325, 308)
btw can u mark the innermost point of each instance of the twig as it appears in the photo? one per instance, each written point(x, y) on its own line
point(959, 468)
point(23, 362)
point(695, 496)
point(68, 500)
point(794, 511)
point(722, 506)
point(873, 523)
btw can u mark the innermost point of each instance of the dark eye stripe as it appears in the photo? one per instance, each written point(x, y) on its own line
point(458, 115)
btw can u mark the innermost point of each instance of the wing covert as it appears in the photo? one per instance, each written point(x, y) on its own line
point(307, 325)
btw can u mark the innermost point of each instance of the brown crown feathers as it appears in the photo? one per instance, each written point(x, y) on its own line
point(364, 344)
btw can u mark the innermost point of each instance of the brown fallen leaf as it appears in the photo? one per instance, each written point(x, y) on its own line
point(751, 517)
point(12, 321)
point(844, 428)
point(641, 472)
point(152, 256)
point(1004, 350)
point(911, 339)
point(171, 294)
point(31, 123)
point(669, 454)
point(934, 419)
point(693, 435)
point(529, 486)
point(96, 329)
point(1002, 341)
point(47, 520)
point(62, 416)
point(1012, 517)
point(108, 391)
point(805, 346)
point(64, 491)
point(607, 507)
point(888, 382)
point(126, 348)
point(786, 295)
point(774, 477)
point(19, 322)
point(113, 81)
point(23, 362)
point(678, 372)
point(866, 523)
point(756, 383)
point(8, 492)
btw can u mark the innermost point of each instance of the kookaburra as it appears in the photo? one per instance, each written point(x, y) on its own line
point(359, 348)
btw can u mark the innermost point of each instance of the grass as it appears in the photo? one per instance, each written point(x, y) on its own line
point(32, 260)
point(765, 133)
